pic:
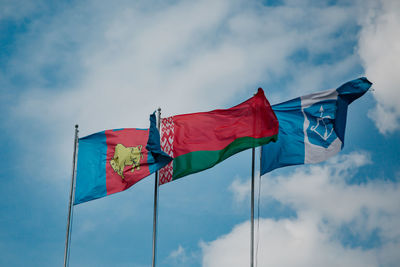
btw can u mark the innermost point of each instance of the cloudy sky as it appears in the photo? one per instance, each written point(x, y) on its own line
point(109, 64)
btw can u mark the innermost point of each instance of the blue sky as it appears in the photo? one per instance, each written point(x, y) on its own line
point(109, 64)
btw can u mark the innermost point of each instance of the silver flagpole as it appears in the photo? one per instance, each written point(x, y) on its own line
point(67, 238)
point(252, 209)
point(252, 206)
point(155, 213)
point(258, 208)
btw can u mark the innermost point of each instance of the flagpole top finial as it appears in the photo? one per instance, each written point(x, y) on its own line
point(76, 126)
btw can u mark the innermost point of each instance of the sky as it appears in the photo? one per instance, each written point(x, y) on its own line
point(109, 64)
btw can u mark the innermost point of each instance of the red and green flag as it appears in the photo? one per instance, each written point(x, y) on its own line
point(113, 160)
point(199, 141)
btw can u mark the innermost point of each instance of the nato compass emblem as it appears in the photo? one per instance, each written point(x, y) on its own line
point(320, 132)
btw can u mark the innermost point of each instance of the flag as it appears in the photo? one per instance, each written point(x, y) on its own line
point(311, 127)
point(199, 141)
point(113, 160)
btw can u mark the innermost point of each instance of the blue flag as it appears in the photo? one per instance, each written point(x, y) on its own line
point(113, 160)
point(311, 127)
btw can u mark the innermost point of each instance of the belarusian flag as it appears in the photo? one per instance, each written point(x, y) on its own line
point(199, 141)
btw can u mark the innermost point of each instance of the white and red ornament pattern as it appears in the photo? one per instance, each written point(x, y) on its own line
point(167, 145)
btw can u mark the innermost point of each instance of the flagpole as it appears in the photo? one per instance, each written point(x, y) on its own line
point(67, 238)
point(155, 213)
point(258, 209)
point(252, 205)
point(252, 209)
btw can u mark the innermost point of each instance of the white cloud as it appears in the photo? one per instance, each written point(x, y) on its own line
point(325, 203)
point(180, 257)
point(385, 117)
point(177, 253)
point(240, 190)
point(379, 48)
point(283, 243)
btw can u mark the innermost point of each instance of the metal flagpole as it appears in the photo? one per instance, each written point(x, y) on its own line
point(252, 209)
point(67, 238)
point(252, 205)
point(258, 209)
point(155, 213)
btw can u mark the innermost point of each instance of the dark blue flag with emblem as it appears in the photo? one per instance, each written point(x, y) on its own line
point(311, 127)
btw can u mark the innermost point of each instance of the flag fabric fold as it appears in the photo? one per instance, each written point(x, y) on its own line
point(199, 141)
point(113, 160)
point(311, 127)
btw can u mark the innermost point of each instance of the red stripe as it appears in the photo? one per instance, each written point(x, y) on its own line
point(128, 138)
point(216, 129)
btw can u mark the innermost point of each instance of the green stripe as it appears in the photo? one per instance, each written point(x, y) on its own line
point(201, 160)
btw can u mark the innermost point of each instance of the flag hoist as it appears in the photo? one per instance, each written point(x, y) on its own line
point(199, 141)
point(112, 161)
point(311, 127)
